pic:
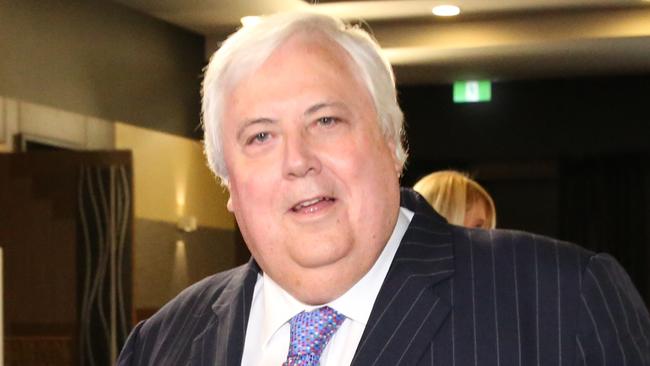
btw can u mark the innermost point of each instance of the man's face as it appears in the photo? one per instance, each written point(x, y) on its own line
point(313, 182)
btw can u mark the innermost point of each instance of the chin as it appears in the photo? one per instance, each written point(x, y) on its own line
point(322, 256)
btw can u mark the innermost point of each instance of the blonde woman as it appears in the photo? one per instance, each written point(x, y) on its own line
point(458, 198)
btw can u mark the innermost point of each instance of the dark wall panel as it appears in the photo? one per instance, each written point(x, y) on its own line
point(168, 260)
point(530, 120)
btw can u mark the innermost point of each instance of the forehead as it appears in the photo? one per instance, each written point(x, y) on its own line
point(310, 52)
point(312, 45)
point(304, 66)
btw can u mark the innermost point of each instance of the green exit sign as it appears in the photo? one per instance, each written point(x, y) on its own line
point(472, 91)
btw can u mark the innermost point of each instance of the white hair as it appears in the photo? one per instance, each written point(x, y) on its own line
point(248, 48)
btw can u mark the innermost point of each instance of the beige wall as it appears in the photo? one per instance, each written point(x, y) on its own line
point(171, 178)
point(52, 126)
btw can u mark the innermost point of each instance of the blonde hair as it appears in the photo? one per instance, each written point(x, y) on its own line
point(453, 193)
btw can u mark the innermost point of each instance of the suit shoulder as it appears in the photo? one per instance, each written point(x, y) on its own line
point(544, 250)
point(168, 335)
point(201, 295)
point(196, 300)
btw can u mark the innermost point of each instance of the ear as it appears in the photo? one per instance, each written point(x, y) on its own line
point(396, 162)
point(229, 205)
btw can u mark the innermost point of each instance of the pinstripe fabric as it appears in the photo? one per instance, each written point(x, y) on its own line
point(505, 298)
point(204, 325)
point(452, 297)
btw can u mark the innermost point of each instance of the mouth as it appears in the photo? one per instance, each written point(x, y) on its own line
point(313, 205)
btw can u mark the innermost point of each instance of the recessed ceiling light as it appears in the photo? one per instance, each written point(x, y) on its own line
point(445, 10)
point(250, 20)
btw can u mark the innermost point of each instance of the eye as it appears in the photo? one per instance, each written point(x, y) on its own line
point(327, 121)
point(258, 138)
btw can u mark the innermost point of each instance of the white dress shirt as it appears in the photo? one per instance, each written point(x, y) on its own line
point(268, 331)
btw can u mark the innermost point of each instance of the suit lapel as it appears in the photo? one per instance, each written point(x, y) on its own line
point(222, 341)
point(408, 311)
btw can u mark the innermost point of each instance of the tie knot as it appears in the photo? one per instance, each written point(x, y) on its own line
point(310, 332)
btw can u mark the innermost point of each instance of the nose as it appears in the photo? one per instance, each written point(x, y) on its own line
point(300, 157)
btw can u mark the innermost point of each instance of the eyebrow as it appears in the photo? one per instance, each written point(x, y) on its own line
point(316, 107)
point(262, 120)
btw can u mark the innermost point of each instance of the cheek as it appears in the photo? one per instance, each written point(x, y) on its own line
point(256, 196)
point(253, 210)
point(383, 163)
point(253, 195)
point(374, 181)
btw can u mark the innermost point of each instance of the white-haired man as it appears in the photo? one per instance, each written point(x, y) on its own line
point(303, 127)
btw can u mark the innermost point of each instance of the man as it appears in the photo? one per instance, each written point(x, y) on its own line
point(302, 125)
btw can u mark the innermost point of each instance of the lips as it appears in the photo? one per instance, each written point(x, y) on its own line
point(312, 205)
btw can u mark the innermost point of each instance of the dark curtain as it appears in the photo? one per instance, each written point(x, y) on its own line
point(603, 206)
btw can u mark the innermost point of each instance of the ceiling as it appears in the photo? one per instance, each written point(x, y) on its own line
point(498, 40)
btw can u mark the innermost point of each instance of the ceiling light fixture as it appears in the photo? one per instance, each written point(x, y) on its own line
point(250, 20)
point(445, 10)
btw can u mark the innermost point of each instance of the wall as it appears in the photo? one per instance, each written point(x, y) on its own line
point(5, 145)
point(69, 68)
point(53, 126)
point(171, 180)
point(516, 143)
point(101, 59)
point(536, 119)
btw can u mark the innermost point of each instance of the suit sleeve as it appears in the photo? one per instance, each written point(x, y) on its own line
point(613, 322)
point(129, 354)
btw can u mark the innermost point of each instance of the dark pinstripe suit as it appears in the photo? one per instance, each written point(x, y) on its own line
point(452, 297)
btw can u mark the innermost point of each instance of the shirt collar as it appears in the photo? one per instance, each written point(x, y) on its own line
point(279, 307)
point(356, 303)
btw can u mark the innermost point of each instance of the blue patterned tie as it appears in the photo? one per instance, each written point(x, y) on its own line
point(310, 332)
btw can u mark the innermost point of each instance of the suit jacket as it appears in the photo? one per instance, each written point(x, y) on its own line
point(453, 296)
